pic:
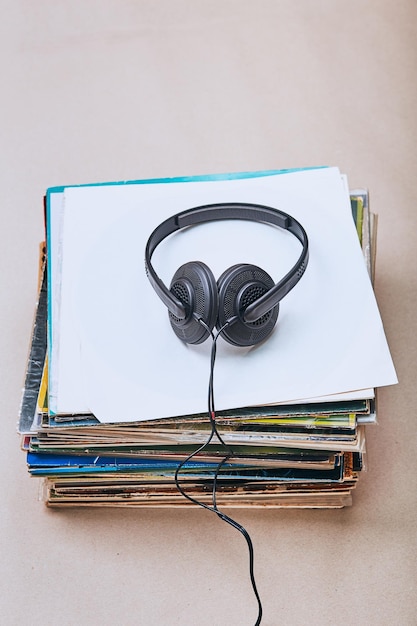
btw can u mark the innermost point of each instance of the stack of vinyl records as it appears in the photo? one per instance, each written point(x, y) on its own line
point(114, 409)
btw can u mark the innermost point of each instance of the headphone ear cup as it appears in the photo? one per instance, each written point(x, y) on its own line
point(238, 287)
point(195, 286)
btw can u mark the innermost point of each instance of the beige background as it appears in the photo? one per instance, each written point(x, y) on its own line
point(109, 89)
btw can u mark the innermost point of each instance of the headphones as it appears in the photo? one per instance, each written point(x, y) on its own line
point(244, 303)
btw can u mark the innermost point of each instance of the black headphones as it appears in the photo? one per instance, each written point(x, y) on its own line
point(244, 302)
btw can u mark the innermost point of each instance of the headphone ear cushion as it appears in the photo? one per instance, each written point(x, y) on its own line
point(238, 287)
point(195, 286)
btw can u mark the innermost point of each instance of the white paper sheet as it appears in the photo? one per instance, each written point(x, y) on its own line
point(118, 356)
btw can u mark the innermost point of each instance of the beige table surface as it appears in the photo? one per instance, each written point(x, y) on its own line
point(108, 90)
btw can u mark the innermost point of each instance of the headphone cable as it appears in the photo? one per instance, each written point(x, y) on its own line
point(214, 431)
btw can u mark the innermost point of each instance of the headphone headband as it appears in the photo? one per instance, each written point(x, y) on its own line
point(228, 211)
